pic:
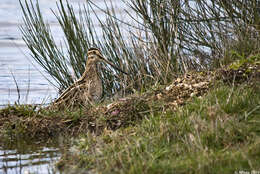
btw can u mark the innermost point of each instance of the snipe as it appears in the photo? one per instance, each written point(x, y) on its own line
point(88, 89)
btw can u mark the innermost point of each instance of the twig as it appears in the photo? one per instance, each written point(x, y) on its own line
point(232, 90)
point(28, 87)
point(17, 88)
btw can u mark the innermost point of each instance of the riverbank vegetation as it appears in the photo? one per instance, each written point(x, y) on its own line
point(201, 122)
point(191, 103)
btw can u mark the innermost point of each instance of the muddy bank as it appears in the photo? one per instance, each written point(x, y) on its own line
point(39, 123)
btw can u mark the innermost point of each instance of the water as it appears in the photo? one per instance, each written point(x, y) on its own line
point(15, 61)
point(18, 69)
point(21, 157)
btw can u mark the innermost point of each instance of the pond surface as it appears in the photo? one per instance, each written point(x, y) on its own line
point(25, 157)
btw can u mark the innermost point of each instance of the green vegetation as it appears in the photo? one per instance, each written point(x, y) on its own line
point(175, 118)
point(218, 133)
point(212, 127)
point(243, 61)
point(164, 39)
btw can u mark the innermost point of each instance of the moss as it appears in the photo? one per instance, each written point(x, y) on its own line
point(245, 62)
point(244, 70)
point(18, 110)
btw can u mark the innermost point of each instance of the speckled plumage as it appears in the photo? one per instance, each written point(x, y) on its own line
point(88, 89)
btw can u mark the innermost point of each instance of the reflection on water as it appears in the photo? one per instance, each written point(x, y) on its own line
point(23, 157)
point(37, 162)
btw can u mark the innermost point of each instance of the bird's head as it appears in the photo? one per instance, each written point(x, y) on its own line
point(95, 56)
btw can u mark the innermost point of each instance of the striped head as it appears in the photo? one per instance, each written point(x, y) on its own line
point(95, 56)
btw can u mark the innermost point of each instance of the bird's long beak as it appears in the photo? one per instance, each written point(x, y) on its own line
point(110, 63)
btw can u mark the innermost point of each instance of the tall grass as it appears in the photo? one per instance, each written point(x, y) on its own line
point(164, 39)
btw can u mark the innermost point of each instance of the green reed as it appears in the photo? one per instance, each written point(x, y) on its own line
point(165, 38)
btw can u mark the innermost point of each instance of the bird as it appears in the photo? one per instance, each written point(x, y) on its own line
point(88, 89)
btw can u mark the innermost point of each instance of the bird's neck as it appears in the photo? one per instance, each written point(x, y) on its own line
point(90, 72)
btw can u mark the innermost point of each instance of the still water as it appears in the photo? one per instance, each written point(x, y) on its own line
point(16, 65)
point(15, 61)
point(25, 157)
